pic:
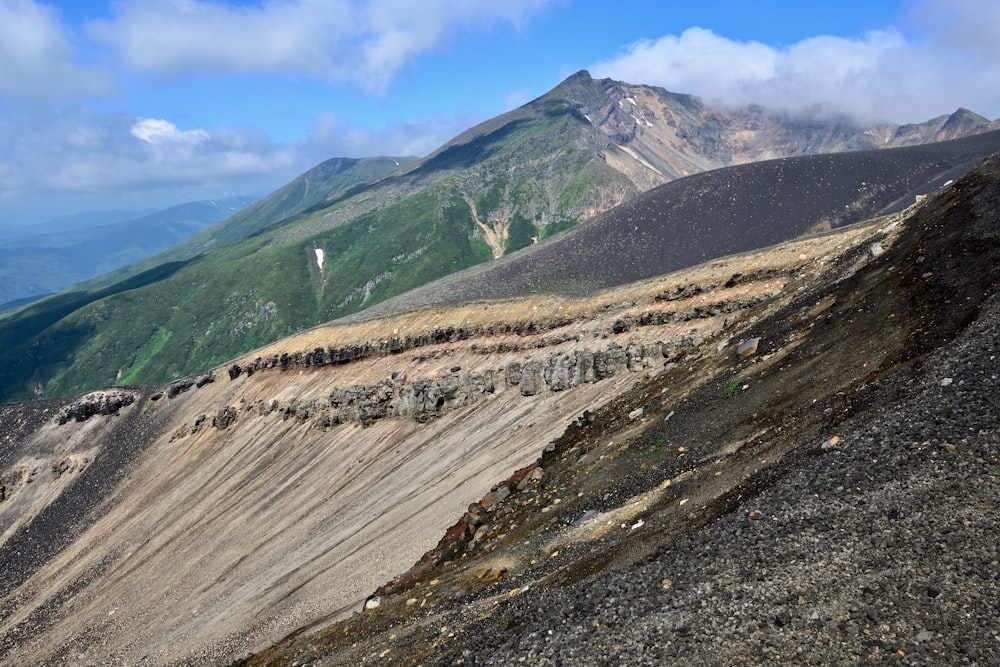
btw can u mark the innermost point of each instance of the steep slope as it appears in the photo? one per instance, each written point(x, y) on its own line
point(817, 484)
point(199, 519)
point(195, 521)
point(674, 135)
point(560, 160)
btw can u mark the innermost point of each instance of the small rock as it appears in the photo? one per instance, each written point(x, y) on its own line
point(635, 414)
point(373, 603)
point(748, 347)
point(831, 443)
point(925, 636)
point(945, 382)
point(495, 497)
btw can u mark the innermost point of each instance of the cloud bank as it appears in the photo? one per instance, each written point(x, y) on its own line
point(66, 128)
point(362, 43)
point(58, 138)
point(37, 57)
point(950, 56)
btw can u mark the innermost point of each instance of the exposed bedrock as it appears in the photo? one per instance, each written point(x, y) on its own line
point(107, 402)
point(423, 398)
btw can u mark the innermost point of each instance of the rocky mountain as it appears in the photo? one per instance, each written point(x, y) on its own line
point(670, 135)
point(794, 441)
point(354, 233)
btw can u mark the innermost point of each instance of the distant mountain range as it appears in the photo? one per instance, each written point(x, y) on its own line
point(71, 249)
point(352, 233)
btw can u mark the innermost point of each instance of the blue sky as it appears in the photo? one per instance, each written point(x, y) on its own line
point(137, 104)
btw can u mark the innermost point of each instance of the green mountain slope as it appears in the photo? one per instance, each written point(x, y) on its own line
point(338, 240)
point(324, 181)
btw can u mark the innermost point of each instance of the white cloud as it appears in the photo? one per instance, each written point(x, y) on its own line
point(62, 155)
point(68, 151)
point(159, 131)
point(37, 55)
point(364, 43)
point(947, 58)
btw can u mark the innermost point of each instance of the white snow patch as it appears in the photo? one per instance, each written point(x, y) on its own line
point(319, 258)
point(632, 100)
point(588, 119)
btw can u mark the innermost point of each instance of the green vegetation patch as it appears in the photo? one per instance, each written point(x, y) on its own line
point(152, 347)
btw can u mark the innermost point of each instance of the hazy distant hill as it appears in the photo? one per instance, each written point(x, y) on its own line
point(81, 247)
point(71, 222)
point(351, 233)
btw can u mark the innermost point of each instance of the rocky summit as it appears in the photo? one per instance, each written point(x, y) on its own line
point(785, 454)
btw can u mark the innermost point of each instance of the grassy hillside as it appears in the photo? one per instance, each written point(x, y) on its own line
point(478, 197)
point(713, 214)
point(309, 190)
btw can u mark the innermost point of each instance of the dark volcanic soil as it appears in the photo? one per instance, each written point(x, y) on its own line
point(882, 548)
point(713, 214)
point(833, 499)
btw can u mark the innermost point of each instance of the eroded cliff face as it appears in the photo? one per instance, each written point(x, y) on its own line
point(202, 520)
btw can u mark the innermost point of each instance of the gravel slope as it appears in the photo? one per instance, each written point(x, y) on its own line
point(838, 504)
point(881, 549)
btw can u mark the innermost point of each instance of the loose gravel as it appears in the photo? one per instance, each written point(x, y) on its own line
point(883, 549)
